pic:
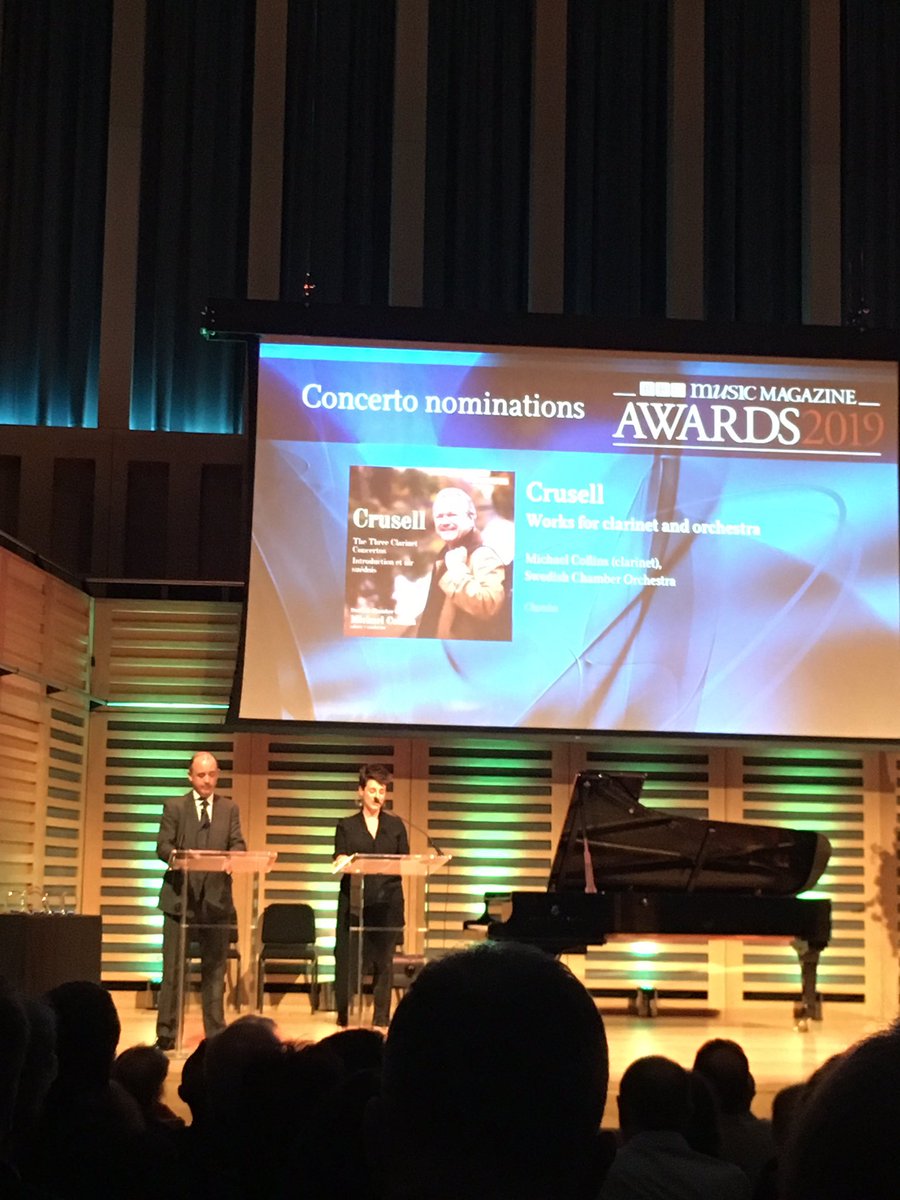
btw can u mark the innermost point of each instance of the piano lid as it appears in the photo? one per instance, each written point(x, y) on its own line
point(610, 841)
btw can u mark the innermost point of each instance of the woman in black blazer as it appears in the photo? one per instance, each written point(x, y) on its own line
point(370, 831)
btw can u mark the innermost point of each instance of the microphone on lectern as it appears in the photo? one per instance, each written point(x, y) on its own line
point(428, 838)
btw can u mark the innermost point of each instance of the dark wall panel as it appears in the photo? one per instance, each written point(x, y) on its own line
point(10, 484)
point(146, 520)
point(72, 513)
point(223, 551)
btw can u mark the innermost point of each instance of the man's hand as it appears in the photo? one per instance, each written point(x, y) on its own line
point(456, 560)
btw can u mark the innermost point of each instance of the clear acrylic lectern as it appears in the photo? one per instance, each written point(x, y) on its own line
point(415, 869)
point(249, 866)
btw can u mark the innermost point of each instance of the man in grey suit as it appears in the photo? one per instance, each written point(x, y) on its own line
point(199, 820)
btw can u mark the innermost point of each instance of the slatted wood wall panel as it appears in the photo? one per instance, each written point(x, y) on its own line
point(165, 669)
point(45, 633)
point(22, 760)
point(67, 727)
point(23, 592)
point(179, 653)
point(824, 790)
point(67, 637)
point(495, 805)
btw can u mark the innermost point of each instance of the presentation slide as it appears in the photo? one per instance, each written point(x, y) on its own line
point(580, 540)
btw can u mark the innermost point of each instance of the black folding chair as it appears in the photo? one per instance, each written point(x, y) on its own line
point(288, 938)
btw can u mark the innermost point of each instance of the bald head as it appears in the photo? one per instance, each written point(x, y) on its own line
point(203, 773)
point(454, 514)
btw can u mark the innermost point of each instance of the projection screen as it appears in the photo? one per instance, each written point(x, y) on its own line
point(533, 537)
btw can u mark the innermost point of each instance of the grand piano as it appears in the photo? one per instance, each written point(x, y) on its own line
point(623, 870)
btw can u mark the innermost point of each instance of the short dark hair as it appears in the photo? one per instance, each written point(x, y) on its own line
point(655, 1095)
point(724, 1065)
point(142, 1072)
point(87, 1032)
point(377, 771)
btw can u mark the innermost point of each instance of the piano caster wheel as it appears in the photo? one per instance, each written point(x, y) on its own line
point(801, 1016)
point(645, 1003)
point(804, 1013)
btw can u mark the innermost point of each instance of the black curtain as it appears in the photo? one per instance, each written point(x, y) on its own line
point(478, 154)
point(870, 163)
point(54, 101)
point(753, 160)
point(195, 186)
point(616, 156)
point(336, 221)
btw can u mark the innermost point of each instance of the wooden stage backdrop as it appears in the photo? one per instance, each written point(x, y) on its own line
point(103, 701)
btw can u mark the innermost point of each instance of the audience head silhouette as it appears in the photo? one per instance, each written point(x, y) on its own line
point(843, 1141)
point(192, 1088)
point(87, 1033)
point(724, 1065)
point(655, 1095)
point(233, 1062)
point(142, 1071)
point(702, 1130)
point(14, 1040)
point(496, 1071)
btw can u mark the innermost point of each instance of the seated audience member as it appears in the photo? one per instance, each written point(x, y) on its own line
point(785, 1105)
point(264, 1106)
point(13, 1048)
point(192, 1088)
point(341, 1152)
point(220, 1084)
point(142, 1071)
point(193, 1143)
point(843, 1142)
point(655, 1161)
point(37, 1074)
point(89, 1141)
point(296, 1123)
point(494, 1081)
point(702, 1132)
point(232, 1063)
point(744, 1139)
point(357, 1049)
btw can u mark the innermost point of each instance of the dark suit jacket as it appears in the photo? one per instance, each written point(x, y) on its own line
point(352, 837)
point(179, 830)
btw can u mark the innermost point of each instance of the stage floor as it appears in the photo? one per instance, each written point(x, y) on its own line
point(779, 1054)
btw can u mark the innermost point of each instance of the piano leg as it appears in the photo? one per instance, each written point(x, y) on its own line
point(809, 1006)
